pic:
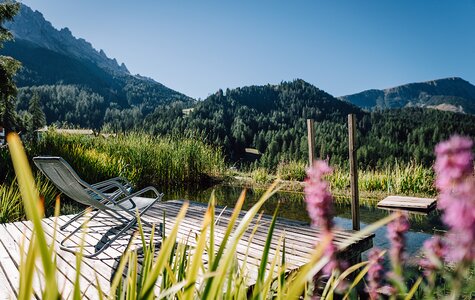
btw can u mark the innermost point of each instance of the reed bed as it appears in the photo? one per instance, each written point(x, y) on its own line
point(142, 159)
point(411, 179)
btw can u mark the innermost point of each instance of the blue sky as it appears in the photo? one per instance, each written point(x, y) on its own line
point(342, 47)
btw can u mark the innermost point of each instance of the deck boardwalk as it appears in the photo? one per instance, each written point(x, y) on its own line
point(300, 240)
point(408, 203)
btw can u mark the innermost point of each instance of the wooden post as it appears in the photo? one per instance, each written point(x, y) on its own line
point(311, 141)
point(355, 201)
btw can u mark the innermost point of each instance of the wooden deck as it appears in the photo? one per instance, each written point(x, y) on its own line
point(408, 203)
point(300, 240)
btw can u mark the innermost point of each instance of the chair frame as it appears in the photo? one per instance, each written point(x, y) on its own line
point(110, 204)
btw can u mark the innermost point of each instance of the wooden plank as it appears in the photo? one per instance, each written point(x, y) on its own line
point(300, 242)
point(301, 236)
point(410, 203)
point(6, 290)
point(10, 283)
point(12, 262)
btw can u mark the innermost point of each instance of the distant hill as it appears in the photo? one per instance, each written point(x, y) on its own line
point(450, 94)
point(53, 58)
point(255, 116)
point(272, 119)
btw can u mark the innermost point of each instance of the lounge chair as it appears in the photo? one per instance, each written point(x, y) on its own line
point(112, 197)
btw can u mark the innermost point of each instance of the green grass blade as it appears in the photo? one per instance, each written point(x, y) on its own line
point(27, 270)
point(197, 257)
point(163, 255)
point(30, 200)
point(228, 255)
point(413, 290)
point(265, 255)
point(212, 206)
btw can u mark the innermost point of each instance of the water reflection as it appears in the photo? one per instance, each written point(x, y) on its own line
point(293, 207)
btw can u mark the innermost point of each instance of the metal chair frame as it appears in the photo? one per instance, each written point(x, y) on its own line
point(113, 204)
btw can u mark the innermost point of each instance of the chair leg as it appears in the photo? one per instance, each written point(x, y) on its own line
point(113, 239)
point(79, 215)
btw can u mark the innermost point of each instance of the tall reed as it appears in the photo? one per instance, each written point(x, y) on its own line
point(11, 206)
point(143, 159)
point(410, 179)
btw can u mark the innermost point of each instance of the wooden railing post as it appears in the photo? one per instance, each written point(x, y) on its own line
point(311, 141)
point(355, 202)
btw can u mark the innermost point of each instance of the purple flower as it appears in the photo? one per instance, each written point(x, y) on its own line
point(396, 231)
point(320, 208)
point(454, 161)
point(435, 250)
point(318, 197)
point(456, 184)
point(375, 272)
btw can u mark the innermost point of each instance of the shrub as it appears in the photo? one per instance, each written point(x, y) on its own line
point(292, 170)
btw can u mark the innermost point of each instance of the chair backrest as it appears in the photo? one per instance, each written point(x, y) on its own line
point(67, 180)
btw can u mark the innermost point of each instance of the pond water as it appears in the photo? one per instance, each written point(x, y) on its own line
point(292, 207)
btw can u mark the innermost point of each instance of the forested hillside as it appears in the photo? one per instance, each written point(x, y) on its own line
point(272, 119)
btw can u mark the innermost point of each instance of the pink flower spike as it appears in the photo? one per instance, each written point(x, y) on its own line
point(396, 230)
point(435, 250)
point(318, 197)
point(375, 272)
point(456, 184)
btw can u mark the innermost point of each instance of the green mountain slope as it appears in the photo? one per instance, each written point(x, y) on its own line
point(272, 119)
point(54, 58)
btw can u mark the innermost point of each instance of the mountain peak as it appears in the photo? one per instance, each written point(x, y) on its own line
point(31, 26)
point(452, 93)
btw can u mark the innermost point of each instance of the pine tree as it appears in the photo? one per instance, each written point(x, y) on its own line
point(8, 69)
point(38, 118)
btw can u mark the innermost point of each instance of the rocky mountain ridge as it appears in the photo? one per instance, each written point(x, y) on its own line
point(452, 94)
point(31, 26)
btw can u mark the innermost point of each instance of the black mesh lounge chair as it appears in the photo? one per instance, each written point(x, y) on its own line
point(112, 197)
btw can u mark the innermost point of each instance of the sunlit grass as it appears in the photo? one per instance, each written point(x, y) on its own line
point(11, 206)
point(410, 179)
point(143, 159)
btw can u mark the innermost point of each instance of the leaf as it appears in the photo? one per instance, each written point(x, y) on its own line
point(163, 255)
point(30, 198)
point(413, 290)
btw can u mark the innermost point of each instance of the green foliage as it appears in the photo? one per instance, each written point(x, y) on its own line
point(143, 159)
point(409, 179)
point(292, 170)
point(11, 207)
point(38, 118)
point(183, 272)
point(8, 69)
point(261, 175)
point(272, 119)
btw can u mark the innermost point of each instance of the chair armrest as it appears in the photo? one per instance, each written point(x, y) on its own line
point(142, 191)
point(120, 189)
point(120, 180)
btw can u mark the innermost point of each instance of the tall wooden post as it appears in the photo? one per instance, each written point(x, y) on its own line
point(311, 141)
point(355, 201)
